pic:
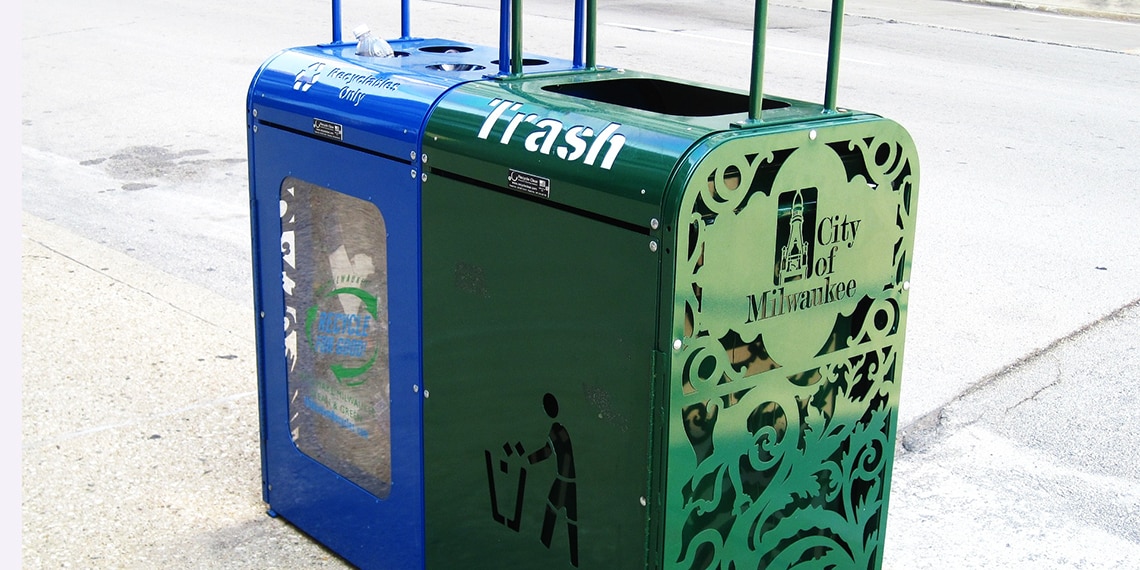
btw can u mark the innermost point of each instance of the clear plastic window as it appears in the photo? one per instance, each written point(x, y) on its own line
point(335, 277)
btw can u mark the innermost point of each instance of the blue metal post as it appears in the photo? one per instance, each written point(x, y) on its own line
point(405, 21)
point(579, 33)
point(505, 37)
point(336, 21)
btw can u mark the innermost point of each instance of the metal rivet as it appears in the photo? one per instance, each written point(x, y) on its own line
point(906, 285)
point(413, 155)
point(654, 223)
point(416, 388)
point(653, 246)
point(677, 344)
point(255, 128)
point(643, 191)
point(423, 177)
point(812, 134)
point(414, 173)
point(263, 314)
point(255, 112)
point(423, 158)
point(425, 393)
point(643, 503)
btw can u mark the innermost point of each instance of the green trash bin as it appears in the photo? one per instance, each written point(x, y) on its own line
point(663, 323)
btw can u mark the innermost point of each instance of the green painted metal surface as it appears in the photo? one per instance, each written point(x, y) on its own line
point(791, 257)
point(607, 140)
point(527, 306)
point(599, 163)
point(718, 313)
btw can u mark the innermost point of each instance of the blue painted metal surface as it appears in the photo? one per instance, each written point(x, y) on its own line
point(366, 530)
point(324, 120)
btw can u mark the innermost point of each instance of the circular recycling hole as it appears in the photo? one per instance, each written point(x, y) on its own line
point(526, 61)
point(455, 67)
point(445, 49)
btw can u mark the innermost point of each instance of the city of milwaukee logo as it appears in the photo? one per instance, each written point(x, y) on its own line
point(805, 258)
point(794, 254)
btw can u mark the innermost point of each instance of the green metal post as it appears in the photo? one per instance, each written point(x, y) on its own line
point(516, 37)
point(833, 55)
point(759, 31)
point(591, 32)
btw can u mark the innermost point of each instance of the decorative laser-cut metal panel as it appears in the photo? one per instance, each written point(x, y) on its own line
point(793, 259)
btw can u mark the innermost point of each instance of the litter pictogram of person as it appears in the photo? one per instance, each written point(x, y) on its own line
point(563, 496)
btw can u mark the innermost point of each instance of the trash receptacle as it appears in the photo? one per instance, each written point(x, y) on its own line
point(590, 318)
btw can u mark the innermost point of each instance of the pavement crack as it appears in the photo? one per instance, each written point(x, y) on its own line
point(1056, 381)
point(931, 427)
point(103, 272)
point(82, 30)
point(58, 439)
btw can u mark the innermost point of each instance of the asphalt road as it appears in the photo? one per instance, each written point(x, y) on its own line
point(1016, 424)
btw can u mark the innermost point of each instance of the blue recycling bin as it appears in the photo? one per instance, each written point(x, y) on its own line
point(335, 169)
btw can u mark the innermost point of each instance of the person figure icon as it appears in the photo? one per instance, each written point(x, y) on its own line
point(563, 495)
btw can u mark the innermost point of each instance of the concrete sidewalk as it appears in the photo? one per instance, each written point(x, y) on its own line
point(1078, 23)
point(1126, 10)
point(1032, 468)
point(139, 413)
point(140, 419)
point(1106, 9)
